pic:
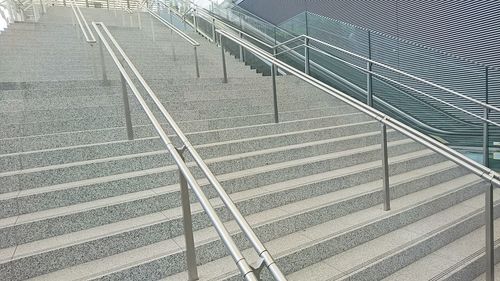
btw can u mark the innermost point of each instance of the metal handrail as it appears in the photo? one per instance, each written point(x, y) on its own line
point(373, 62)
point(235, 29)
point(490, 176)
point(384, 103)
point(87, 32)
point(476, 168)
point(183, 35)
point(175, 29)
point(212, 18)
point(400, 84)
point(180, 162)
point(300, 37)
point(245, 269)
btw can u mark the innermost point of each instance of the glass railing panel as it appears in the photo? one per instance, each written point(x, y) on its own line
point(435, 111)
point(295, 25)
point(493, 98)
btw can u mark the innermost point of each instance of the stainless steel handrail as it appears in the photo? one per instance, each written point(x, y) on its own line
point(476, 168)
point(175, 29)
point(362, 69)
point(183, 35)
point(490, 176)
point(212, 19)
point(240, 260)
point(373, 62)
point(202, 11)
point(84, 27)
point(370, 61)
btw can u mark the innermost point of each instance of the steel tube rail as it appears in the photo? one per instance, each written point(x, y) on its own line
point(175, 12)
point(371, 72)
point(239, 259)
point(87, 32)
point(373, 62)
point(474, 167)
point(245, 227)
point(290, 49)
point(186, 37)
point(173, 28)
point(212, 18)
point(185, 21)
point(378, 100)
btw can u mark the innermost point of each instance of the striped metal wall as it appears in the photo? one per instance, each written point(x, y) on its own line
point(467, 28)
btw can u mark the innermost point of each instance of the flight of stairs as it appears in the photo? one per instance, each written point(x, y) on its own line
point(78, 201)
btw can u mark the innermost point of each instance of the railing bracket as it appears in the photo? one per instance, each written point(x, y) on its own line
point(258, 267)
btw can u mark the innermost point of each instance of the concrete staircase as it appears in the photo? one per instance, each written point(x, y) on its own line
point(78, 201)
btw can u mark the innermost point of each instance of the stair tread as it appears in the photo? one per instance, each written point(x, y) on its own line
point(153, 192)
point(209, 234)
point(281, 245)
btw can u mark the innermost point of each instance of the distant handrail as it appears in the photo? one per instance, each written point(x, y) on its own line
point(246, 270)
point(478, 169)
point(236, 29)
point(87, 32)
point(183, 35)
point(212, 18)
point(382, 77)
point(175, 29)
point(373, 62)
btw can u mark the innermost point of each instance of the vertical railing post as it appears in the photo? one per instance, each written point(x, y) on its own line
point(488, 206)
point(306, 55)
point(486, 150)
point(152, 29)
point(369, 78)
point(12, 17)
point(103, 65)
point(188, 225)
point(241, 49)
point(126, 107)
point(73, 19)
point(172, 45)
point(36, 14)
point(224, 70)
point(44, 9)
point(196, 62)
point(274, 72)
point(195, 20)
point(123, 15)
point(214, 37)
point(490, 233)
point(139, 19)
point(385, 169)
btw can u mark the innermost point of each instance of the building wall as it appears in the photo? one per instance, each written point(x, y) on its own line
point(467, 28)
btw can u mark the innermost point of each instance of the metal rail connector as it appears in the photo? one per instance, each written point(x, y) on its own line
point(246, 270)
